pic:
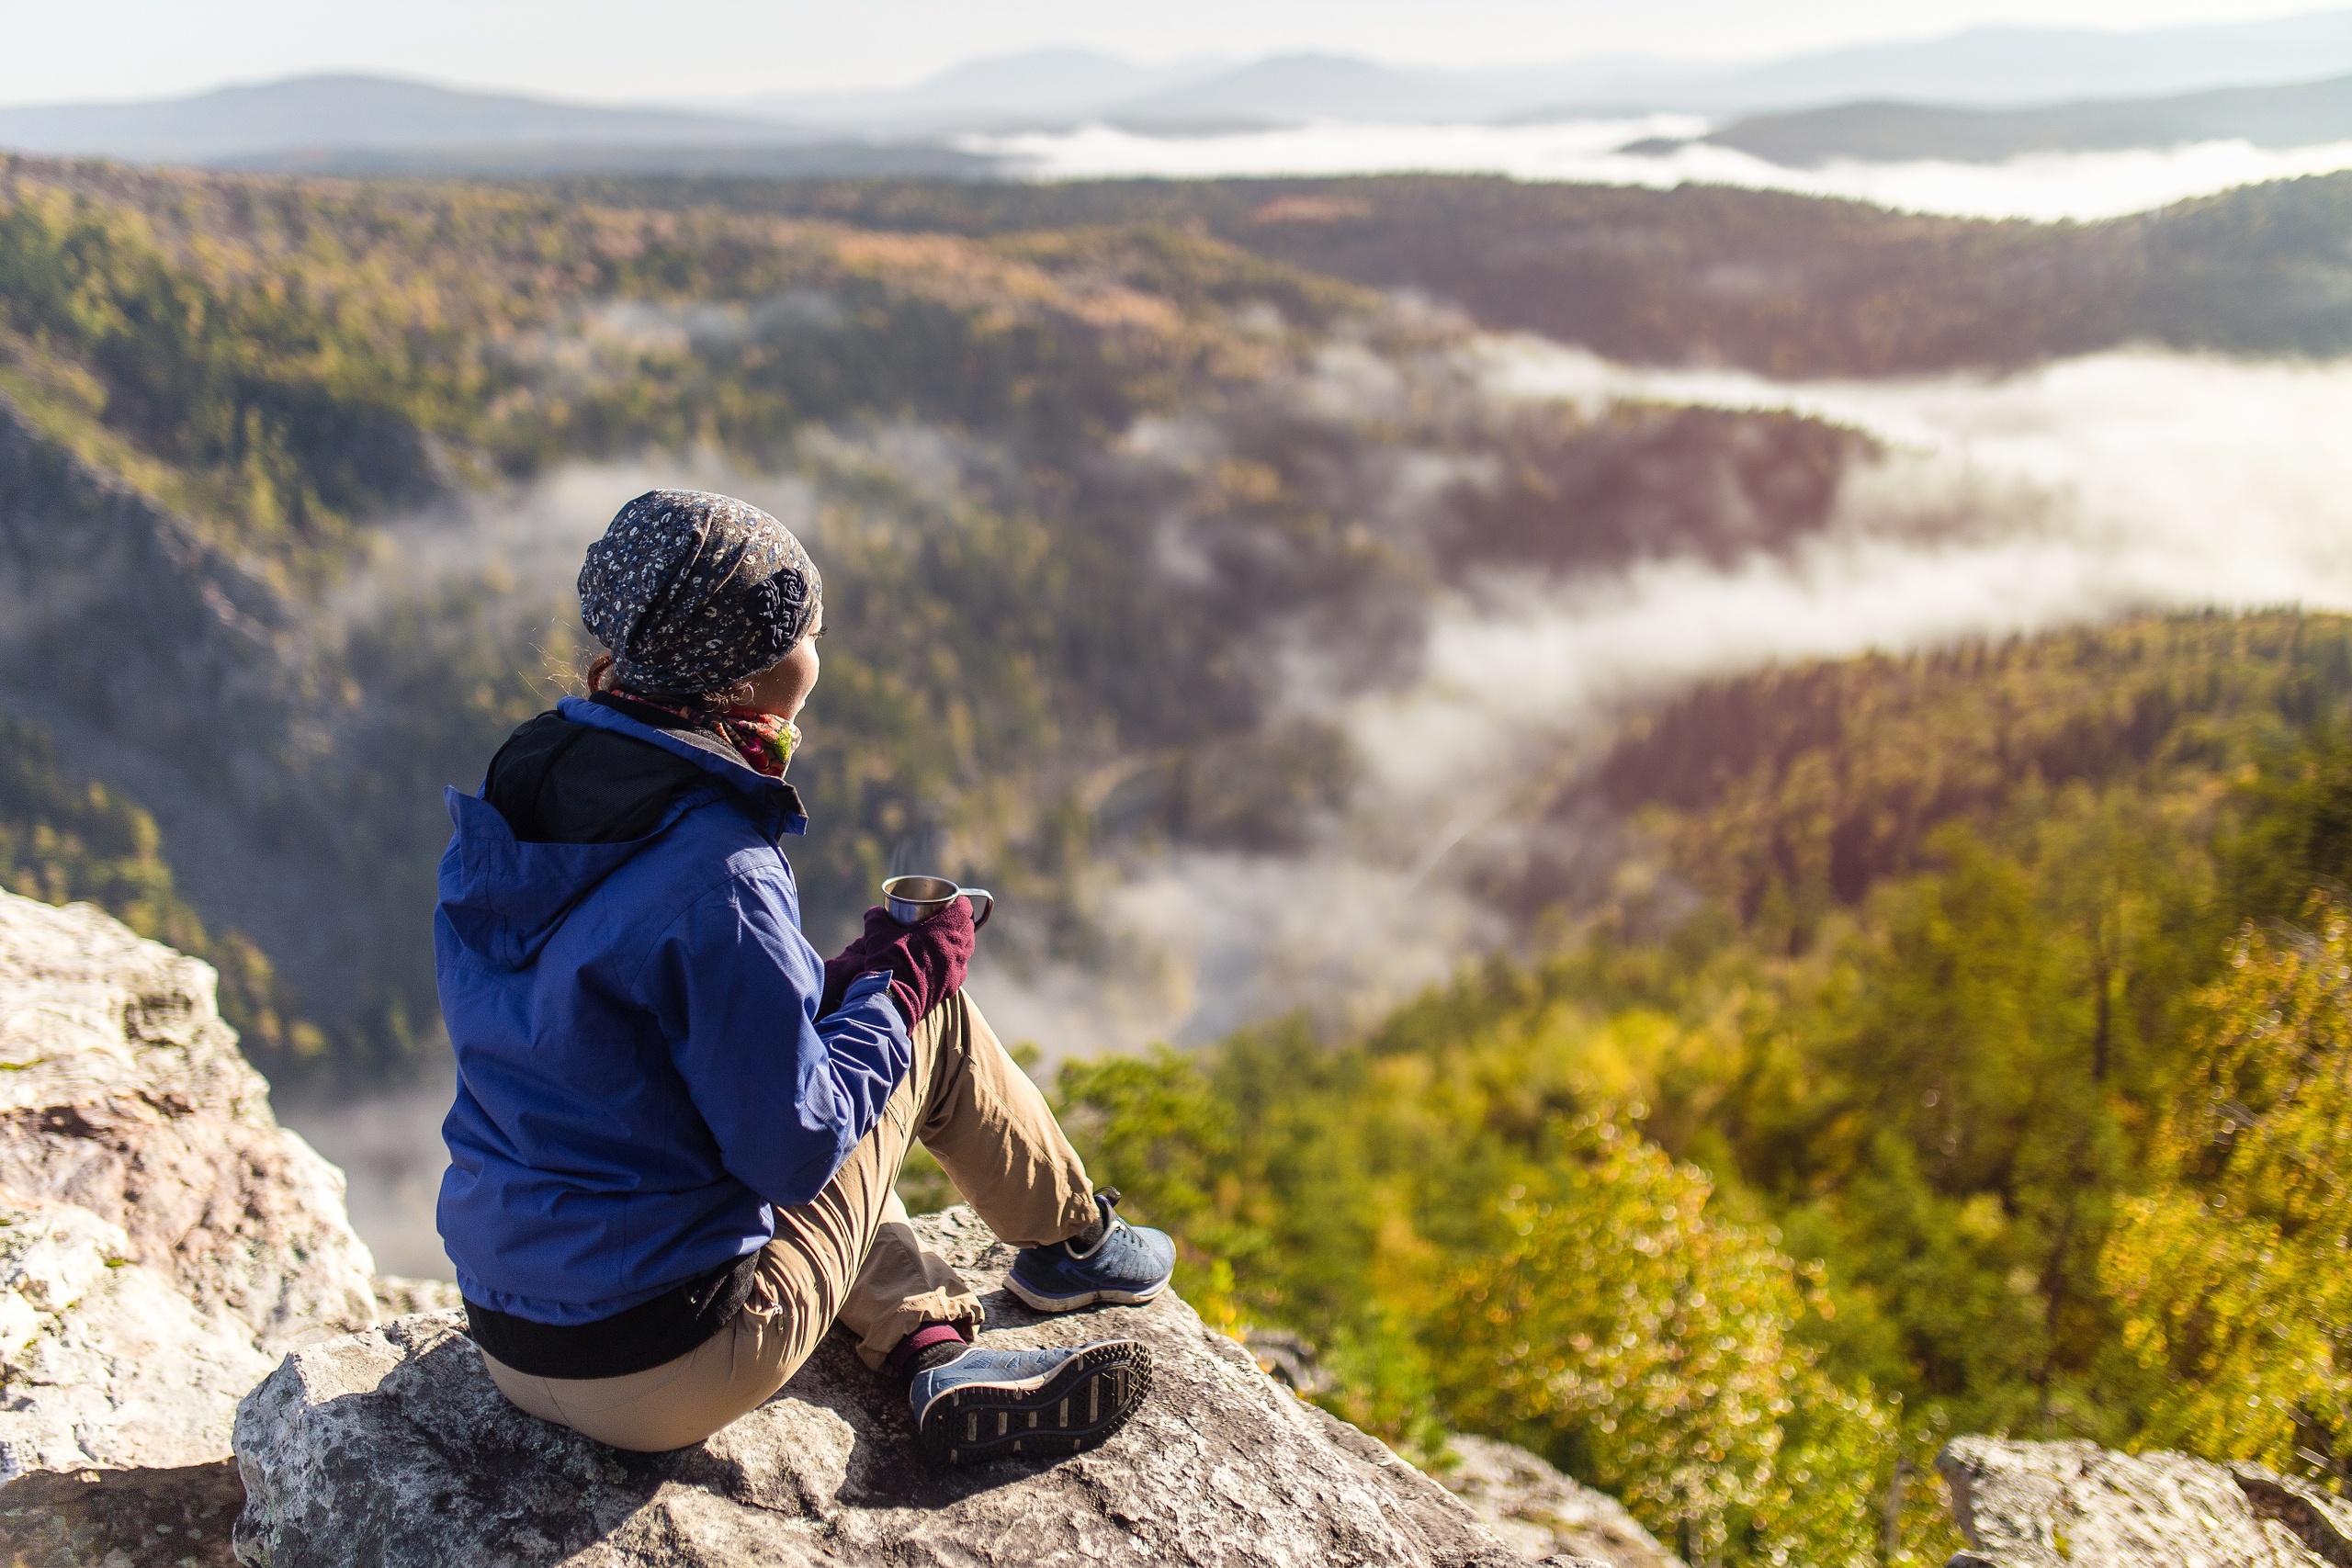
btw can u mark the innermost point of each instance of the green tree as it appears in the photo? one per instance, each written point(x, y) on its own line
point(2235, 1299)
point(1618, 1323)
point(1478, 1242)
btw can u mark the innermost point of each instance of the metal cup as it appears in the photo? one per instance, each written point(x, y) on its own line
point(914, 899)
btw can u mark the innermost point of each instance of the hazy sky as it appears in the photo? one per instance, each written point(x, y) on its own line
point(680, 50)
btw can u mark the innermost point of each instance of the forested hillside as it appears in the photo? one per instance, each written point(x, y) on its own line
point(64, 840)
point(1737, 1209)
point(1081, 495)
point(1785, 285)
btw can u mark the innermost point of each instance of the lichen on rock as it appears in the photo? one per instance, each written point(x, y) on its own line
point(399, 1296)
point(106, 1363)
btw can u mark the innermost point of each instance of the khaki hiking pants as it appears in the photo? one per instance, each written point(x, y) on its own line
point(849, 1253)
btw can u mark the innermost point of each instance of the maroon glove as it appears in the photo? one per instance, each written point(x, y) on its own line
point(925, 962)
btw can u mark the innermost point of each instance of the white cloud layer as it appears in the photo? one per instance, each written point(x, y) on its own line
point(2046, 186)
point(2070, 494)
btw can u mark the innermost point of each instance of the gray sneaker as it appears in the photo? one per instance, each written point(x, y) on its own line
point(1126, 1267)
point(988, 1404)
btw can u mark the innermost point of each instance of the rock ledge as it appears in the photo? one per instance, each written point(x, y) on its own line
point(392, 1449)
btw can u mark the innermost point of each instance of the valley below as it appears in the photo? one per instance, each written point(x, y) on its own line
point(1779, 732)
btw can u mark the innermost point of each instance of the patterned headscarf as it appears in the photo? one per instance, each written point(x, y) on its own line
point(694, 592)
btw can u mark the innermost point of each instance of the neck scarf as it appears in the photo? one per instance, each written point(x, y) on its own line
point(765, 740)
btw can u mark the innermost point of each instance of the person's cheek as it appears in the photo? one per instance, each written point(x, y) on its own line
point(809, 676)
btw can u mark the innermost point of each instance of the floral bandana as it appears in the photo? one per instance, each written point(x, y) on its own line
point(765, 740)
point(694, 592)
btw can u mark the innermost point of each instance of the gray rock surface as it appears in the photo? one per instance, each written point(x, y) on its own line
point(162, 1239)
point(1538, 1512)
point(1532, 1508)
point(2079, 1506)
point(106, 1362)
point(122, 1518)
point(391, 1447)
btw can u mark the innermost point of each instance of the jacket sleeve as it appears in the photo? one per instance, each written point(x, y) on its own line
point(786, 1094)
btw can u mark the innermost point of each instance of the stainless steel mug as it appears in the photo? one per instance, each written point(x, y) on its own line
point(914, 900)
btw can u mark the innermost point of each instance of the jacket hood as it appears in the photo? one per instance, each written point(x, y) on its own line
point(503, 897)
point(772, 799)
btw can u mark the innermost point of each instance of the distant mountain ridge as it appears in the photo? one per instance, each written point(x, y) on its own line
point(1016, 88)
point(1944, 98)
point(2008, 66)
point(351, 111)
point(2305, 114)
point(1980, 66)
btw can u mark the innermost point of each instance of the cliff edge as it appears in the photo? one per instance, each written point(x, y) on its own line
point(163, 1241)
point(392, 1448)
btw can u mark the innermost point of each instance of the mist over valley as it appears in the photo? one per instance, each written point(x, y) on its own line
point(1662, 152)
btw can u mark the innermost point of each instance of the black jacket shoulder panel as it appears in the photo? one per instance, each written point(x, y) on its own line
point(560, 783)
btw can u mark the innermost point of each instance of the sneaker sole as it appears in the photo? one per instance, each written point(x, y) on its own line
point(1086, 1298)
point(1072, 1408)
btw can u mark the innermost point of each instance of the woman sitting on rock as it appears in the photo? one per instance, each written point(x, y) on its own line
point(676, 1128)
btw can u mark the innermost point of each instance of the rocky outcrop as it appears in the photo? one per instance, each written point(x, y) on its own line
point(1538, 1512)
point(1532, 1508)
point(106, 1362)
point(391, 1447)
point(164, 1245)
point(2079, 1506)
point(163, 1241)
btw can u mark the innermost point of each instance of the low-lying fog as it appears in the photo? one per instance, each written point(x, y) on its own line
point(2082, 491)
point(2070, 493)
point(2046, 185)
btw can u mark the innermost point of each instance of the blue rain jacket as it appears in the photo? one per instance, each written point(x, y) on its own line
point(642, 1071)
